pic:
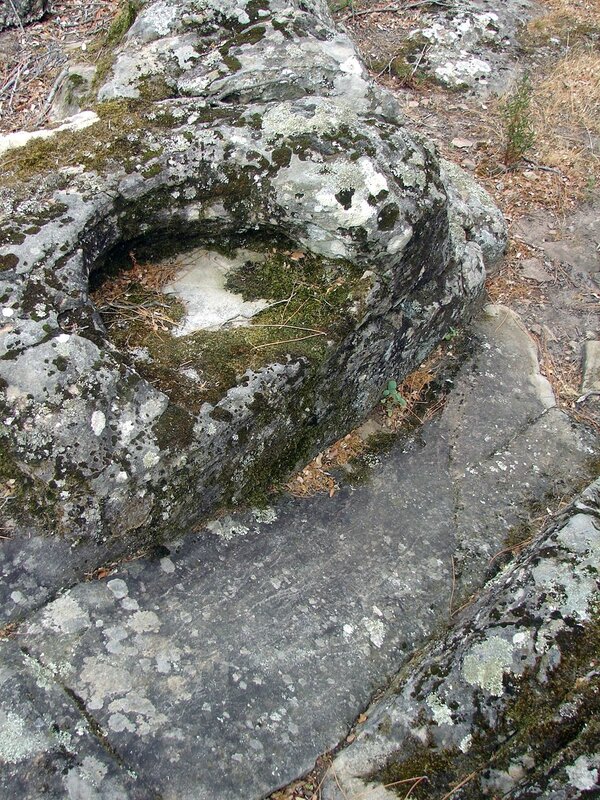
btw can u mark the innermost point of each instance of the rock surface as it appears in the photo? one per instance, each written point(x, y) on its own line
point(507, 701)
point(471, 44)
point(228, 662)
point(20, 12)
point(190, 148)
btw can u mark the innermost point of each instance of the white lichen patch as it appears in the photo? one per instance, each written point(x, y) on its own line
point(584, 773)
point(17, 741)
point(144, 622)
point(118, 587)
point(375, 629)
point(227, 529)
point(98, 422)
point(462, 71)
point(487, 662)
point(200, 285)
point(92, 770)
point(134, 712)
point(441, 713)
point(65, 615)
point(265, 515)
point(568, 591)
point(289, 119)
point(102, 680)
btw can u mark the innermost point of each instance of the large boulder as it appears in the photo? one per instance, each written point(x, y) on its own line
point(20, 12)
point(251, 129)
point(470, 44)
point(506, 703)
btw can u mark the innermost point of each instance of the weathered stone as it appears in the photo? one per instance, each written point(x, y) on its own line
point(225, 664)
point(71, 90)
point(269, 129)
point(48, 748)
point(485, 704)
point(20, 12)
point(471, 44)
point(590, 381)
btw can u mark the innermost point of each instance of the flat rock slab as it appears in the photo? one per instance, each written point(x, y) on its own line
point(226, 666)
point(529, 641)
point(47, 747)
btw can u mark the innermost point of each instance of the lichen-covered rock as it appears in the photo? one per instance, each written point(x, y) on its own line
point(20, 12)
point(469, 45)
point(268, 129)
point(507, 702)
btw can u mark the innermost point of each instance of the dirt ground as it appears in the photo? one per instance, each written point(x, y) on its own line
point(32, 58)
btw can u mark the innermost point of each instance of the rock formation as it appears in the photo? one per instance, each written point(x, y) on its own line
point(20, 12)
point(239, 127)
point(506, 701)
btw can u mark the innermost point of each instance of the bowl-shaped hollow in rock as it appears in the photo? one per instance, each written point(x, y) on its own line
point(228, 126)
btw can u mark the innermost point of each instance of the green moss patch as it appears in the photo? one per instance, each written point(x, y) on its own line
point(313, 302)
point(115, 138)
point(534, 724)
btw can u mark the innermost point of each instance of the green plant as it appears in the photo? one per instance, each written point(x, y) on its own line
point(518, 128)
point(392, 399)
point(452, 333)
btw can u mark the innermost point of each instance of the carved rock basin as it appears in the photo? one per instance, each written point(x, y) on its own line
point(224, 126)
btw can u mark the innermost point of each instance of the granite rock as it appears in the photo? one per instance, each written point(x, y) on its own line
point(189, 147)
point(21, 12)
point(505, 701)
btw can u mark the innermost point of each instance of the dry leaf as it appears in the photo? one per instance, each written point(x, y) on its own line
point(297, 255)
point(463, 143)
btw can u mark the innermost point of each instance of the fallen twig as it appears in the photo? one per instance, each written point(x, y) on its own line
point(291, 327)
point(17, 17)
point(459, 786)
point(287, 341)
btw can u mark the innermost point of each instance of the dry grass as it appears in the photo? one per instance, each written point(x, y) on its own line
point(569, 21)
point(566, 118)
point(564, 375)
point(135, 295)
point(508, 285)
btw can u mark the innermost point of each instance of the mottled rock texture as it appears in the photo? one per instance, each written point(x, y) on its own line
point(221, 666)
point(219, 123)
point(506, 703)
point(20, 12)
point(470, 44)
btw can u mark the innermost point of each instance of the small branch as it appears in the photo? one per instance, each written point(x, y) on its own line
point(18, 18)
point(291, 327)
point(287, 341)
point(512, 548)
point(419, 59)
point(414, 786)
point(542, 167)
point(415, 782)
point(459, 786)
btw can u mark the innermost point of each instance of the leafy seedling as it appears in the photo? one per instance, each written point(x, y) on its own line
point(392, 398)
